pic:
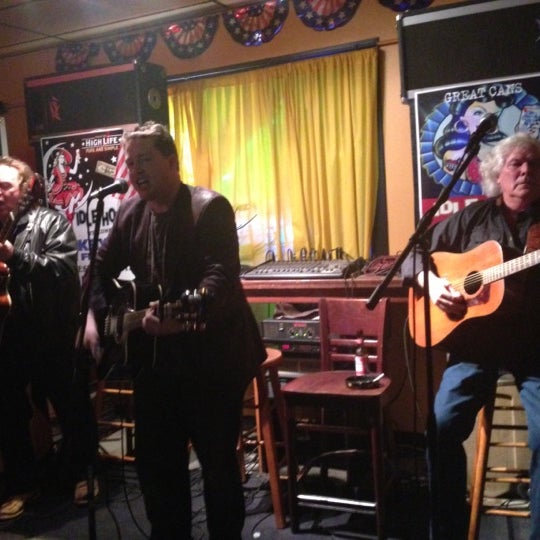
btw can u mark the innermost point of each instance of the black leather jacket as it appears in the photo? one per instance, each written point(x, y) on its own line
point(44, 284)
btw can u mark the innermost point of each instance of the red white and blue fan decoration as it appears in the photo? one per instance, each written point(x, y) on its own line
point(405, 5)
point(187, 39)
point(325, 14)
point(129, 48)
point(75, 56)
point(257, 23)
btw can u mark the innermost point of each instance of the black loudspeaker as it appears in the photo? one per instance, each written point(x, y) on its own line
point(96, 98)
point(467, 42)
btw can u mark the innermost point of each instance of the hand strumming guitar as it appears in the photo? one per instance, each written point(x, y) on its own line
point(445, 296)
point(91, 340)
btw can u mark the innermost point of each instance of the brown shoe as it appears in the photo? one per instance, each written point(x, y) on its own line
point(14, 506)
point(80, 497)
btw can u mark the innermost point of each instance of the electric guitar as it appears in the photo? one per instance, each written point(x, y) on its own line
point(478, 275)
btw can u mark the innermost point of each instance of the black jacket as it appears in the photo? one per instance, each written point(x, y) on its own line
point(200, 250)
point(43, 284)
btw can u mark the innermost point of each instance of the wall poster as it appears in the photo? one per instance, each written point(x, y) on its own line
point(444, 120)
point(74, 166)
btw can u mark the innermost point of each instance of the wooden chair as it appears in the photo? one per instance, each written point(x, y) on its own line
point(346, 325)
point(504, 414)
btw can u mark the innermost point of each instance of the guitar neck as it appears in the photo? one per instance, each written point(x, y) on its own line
point(500, 271)
point(133, 320)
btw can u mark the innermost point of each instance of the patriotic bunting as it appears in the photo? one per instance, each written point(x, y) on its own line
point(258, 23)
point(129, 48)
point(75, 56)
point(187, 39)
point(325, 14)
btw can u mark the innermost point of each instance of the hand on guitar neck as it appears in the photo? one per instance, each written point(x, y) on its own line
point(156, 318)
point(184, 315)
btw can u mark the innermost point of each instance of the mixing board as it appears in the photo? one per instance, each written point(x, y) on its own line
point(327, 269)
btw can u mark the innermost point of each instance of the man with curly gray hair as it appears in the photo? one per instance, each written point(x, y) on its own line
point(480, 347)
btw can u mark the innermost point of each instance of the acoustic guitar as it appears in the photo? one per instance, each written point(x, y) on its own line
point(478, 275)
point(122, 318)
point(122, 337)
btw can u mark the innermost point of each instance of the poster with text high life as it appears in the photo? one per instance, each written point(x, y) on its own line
point(76, 165)
point(445, 118)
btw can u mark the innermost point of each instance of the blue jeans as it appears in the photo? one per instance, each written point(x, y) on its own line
point(464, 389)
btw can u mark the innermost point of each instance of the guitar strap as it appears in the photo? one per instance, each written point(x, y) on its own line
point(533, 238)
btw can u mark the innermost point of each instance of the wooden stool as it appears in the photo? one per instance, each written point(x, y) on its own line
point(118, 393)
point(264, 408)
point(485, 470)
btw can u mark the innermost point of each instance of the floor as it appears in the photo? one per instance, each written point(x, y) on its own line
point(119, 513)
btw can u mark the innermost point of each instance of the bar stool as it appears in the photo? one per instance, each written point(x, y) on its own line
point(268, 408)
point(113, 405)
point(512, 436)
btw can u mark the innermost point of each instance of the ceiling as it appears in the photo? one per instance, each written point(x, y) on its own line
point(29, 25)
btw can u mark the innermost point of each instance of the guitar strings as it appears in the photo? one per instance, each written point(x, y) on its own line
point(479, 277)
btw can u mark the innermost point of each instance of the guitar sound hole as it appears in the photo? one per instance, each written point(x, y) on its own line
point(472, 283)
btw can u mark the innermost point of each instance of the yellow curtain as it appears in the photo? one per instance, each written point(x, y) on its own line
point(293, 147)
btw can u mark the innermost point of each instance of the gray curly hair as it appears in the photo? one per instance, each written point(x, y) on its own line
point(491, 166)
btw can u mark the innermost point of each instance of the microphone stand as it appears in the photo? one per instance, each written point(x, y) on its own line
point(419, 239)
point(85, 301)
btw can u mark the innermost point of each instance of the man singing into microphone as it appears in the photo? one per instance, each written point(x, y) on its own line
point(483, 346)
point(188, 386)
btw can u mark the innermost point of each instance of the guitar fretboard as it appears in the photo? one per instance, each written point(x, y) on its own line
point(513, 266)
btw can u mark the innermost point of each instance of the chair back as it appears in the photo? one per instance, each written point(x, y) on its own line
point(346, 324)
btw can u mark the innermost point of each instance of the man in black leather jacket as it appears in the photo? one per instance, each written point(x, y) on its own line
point(39, 316)
point(188, 386)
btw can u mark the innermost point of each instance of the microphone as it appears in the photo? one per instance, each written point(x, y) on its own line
point(488, 124)
point(118, 186)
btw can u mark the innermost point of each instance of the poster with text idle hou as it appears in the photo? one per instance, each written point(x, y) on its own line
point(76, 165)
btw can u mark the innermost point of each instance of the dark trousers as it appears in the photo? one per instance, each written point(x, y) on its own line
point(51, 375)
point(172, 409)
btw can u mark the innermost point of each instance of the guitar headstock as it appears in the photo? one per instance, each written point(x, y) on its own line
point(190, 309)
